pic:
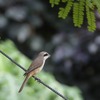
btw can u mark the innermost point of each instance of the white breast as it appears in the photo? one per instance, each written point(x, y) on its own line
point(42, 65)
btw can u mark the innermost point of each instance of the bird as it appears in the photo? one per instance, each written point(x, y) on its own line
point(35, 67)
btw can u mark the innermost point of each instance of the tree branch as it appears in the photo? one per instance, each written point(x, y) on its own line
point(34, 76)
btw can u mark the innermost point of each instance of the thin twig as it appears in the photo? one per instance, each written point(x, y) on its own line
point(34, 76)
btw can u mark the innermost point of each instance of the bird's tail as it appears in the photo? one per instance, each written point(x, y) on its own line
point(24, 82)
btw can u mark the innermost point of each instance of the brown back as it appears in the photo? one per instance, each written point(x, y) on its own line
point(35, 64)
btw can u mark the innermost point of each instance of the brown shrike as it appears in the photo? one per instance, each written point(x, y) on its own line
point(35, 67)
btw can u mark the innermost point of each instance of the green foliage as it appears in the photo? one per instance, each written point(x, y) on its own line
point(79, 10)
point(11, 78)
point(90, 18)
point(78, 13)
point(54, 2)
point(97, 4)
point(63, 12)
point(64, 0)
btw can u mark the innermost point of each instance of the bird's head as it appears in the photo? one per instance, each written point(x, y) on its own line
point(44, 54)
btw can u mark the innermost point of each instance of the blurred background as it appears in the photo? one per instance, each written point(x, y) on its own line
point(30, 26)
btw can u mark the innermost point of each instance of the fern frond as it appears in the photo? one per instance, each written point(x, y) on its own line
point(90, 4)
point(63, 12)
point(90, 18)
point(78, 13)
point(97, 4)
point(54, 2)
point(64, 0)
point(75, 13)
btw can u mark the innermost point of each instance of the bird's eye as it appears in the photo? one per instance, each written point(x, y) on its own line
point(45, 54)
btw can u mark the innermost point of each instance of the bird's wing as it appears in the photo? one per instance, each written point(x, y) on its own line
point(34, 65)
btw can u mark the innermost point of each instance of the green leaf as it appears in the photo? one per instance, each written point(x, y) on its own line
point(97, 4)
point(78, 13)
point(64, 0)
point(90, 18)
point(63, 12)
point(54, 2)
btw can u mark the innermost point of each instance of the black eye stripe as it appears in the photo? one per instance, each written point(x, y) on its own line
point(45, 54)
